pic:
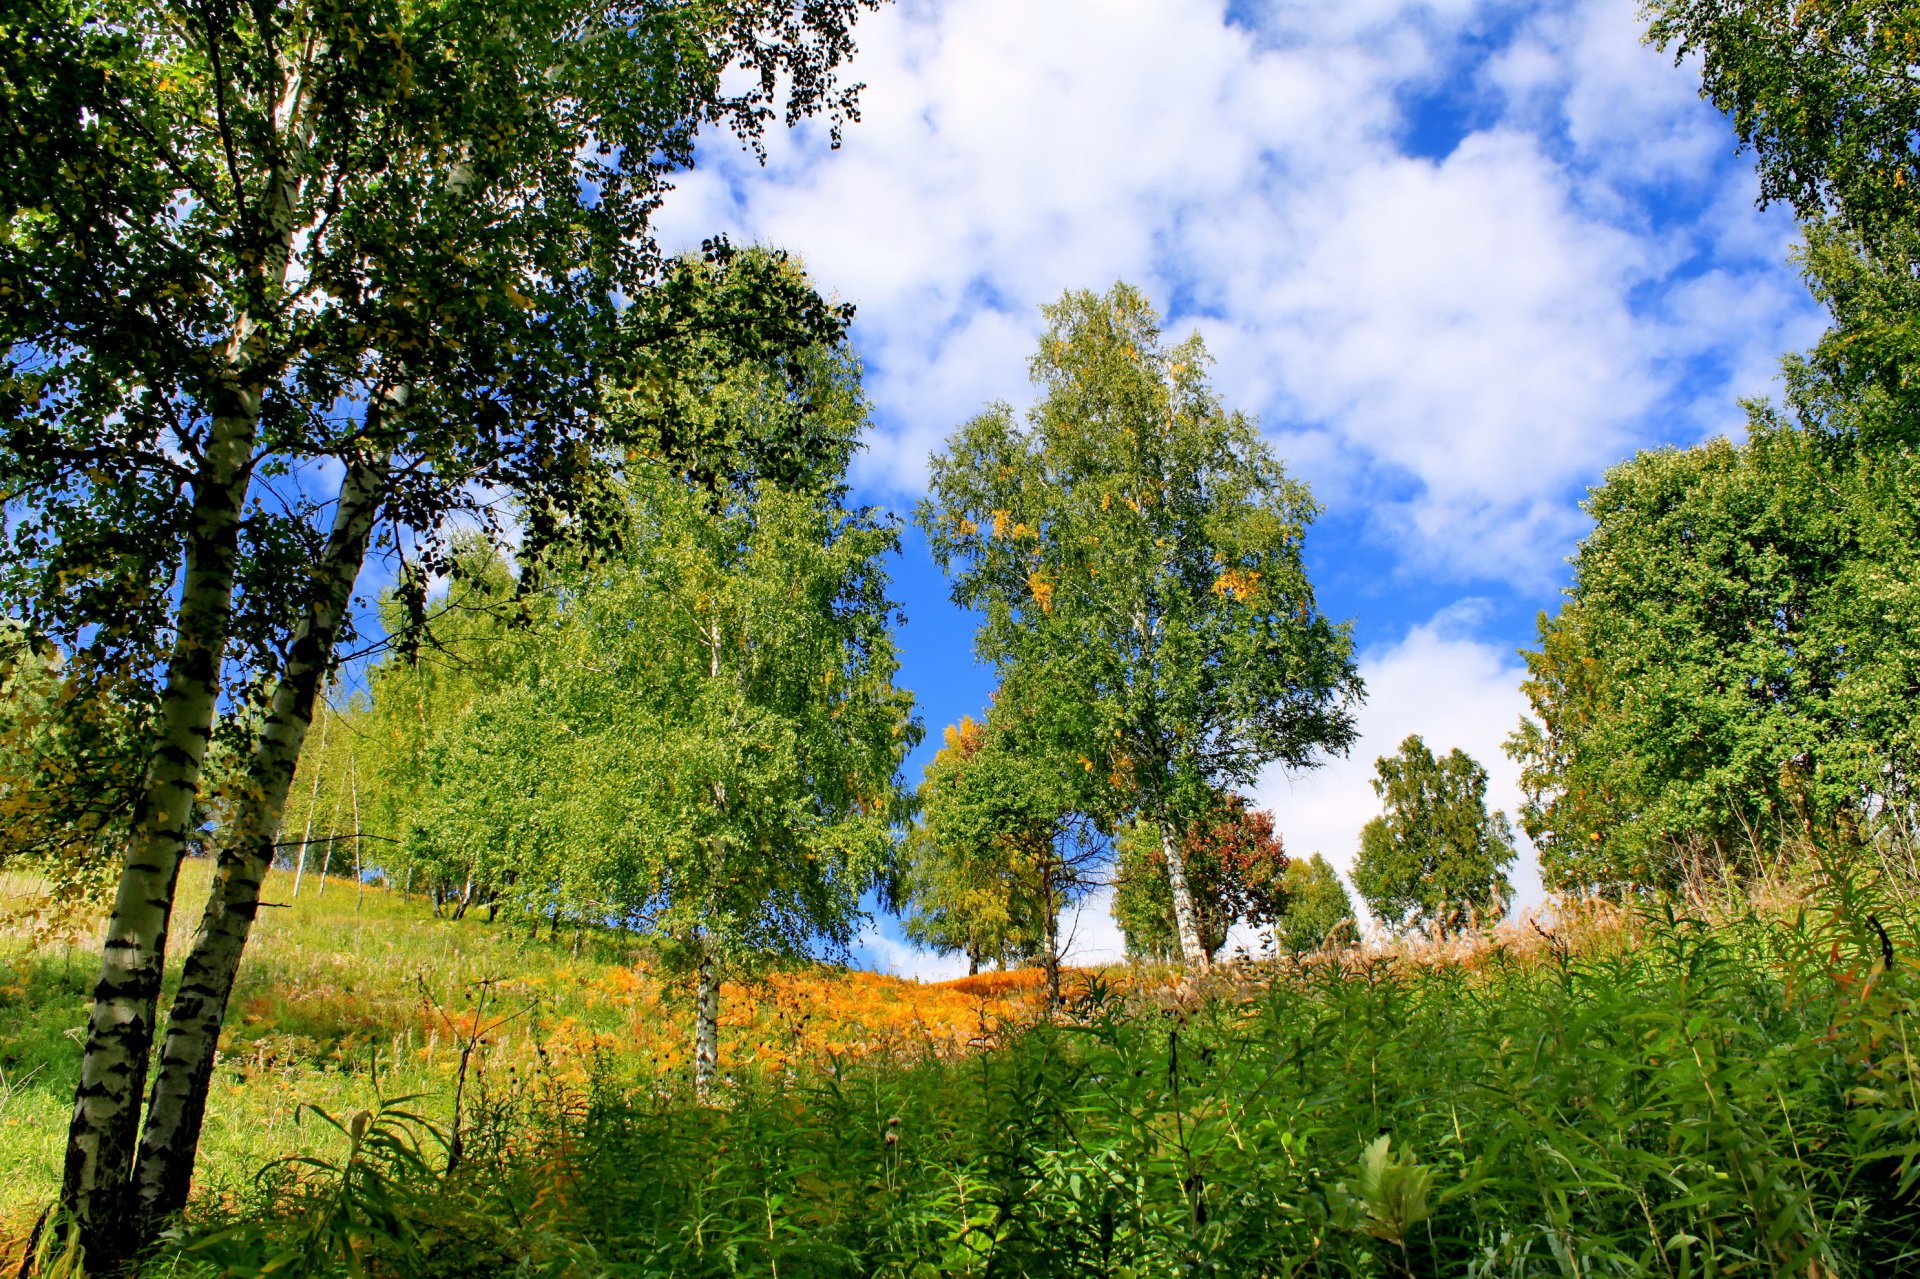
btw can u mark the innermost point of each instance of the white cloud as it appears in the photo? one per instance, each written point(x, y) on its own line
point(1439, 682)
point(1463, 344)
point(886, 954)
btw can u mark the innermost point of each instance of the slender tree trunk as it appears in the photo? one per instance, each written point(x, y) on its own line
point(1192, 953)
point(333, 838)
point(97, 1183)
point(1050, 904)
point(353, 778)
point(120, 1027)
point(177, 1107)
point(313, 800)
point(706, 1024)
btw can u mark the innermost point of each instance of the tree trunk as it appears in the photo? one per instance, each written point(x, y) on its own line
point(706, 1024)
point(1193, 955)
point(1050, 907)
point(313, 801)
point(113, 1067)
point(177, 1107)
point(97, 1183)
point(353, 776)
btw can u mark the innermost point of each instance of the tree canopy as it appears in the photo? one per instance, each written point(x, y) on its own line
point(1735, 666)
point(1137, 546)
point(1824, 94)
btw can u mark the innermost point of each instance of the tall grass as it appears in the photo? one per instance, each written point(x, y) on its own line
point(1679, 1095)
point(347, 995)
point(1718, 1090)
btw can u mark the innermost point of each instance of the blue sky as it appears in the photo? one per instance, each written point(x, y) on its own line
point(1458, 257)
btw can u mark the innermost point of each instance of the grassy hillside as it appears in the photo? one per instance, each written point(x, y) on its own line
point(1651, 1092)
point(348, 995)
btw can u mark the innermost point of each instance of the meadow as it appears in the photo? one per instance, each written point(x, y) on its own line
point(1722, 1089)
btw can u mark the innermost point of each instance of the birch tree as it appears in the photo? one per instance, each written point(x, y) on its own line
point(729, 687)
point(281, 283)
point(1137, 546)
point(1435, 857)
point(1236, 873)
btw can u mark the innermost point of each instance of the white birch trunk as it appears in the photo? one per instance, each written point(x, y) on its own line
point(1192, 954)
point(98, 1180)
point(177, 1107)
point(120, 1026)
point(706, 1024)
point(313, 800)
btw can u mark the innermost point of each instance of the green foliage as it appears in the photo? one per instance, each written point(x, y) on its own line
point(1861, 381)
point(1003, 844)
point(1823, 93)
point(731, 688)
point(1317, 911)
point(694, 732)
point(1735, 662)
point(1435, 857)
point(426, 215)
point(1136, 549)
point(964, 881)
point(1235, 868)
point(68, 774)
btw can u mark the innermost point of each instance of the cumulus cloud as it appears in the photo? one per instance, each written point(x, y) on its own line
point(1458, 343)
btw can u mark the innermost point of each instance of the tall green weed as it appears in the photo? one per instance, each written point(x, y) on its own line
point(1703, 1093)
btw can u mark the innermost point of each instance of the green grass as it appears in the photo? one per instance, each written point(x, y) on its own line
point(347, 995)
point(1723, 1094)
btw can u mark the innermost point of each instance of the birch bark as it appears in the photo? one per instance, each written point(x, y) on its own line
point(98, 1181)
point(1192, 953)
point(706, 1024)
point(120, 1025)
point(177, 1106)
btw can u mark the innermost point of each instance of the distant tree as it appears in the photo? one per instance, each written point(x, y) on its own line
point(965, 900)
point(453, 755)
point(1137, 547)
point(1435, 857)
point(1317, 912)
point(281, 284)
point(1236, 870)
point(737, 732)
